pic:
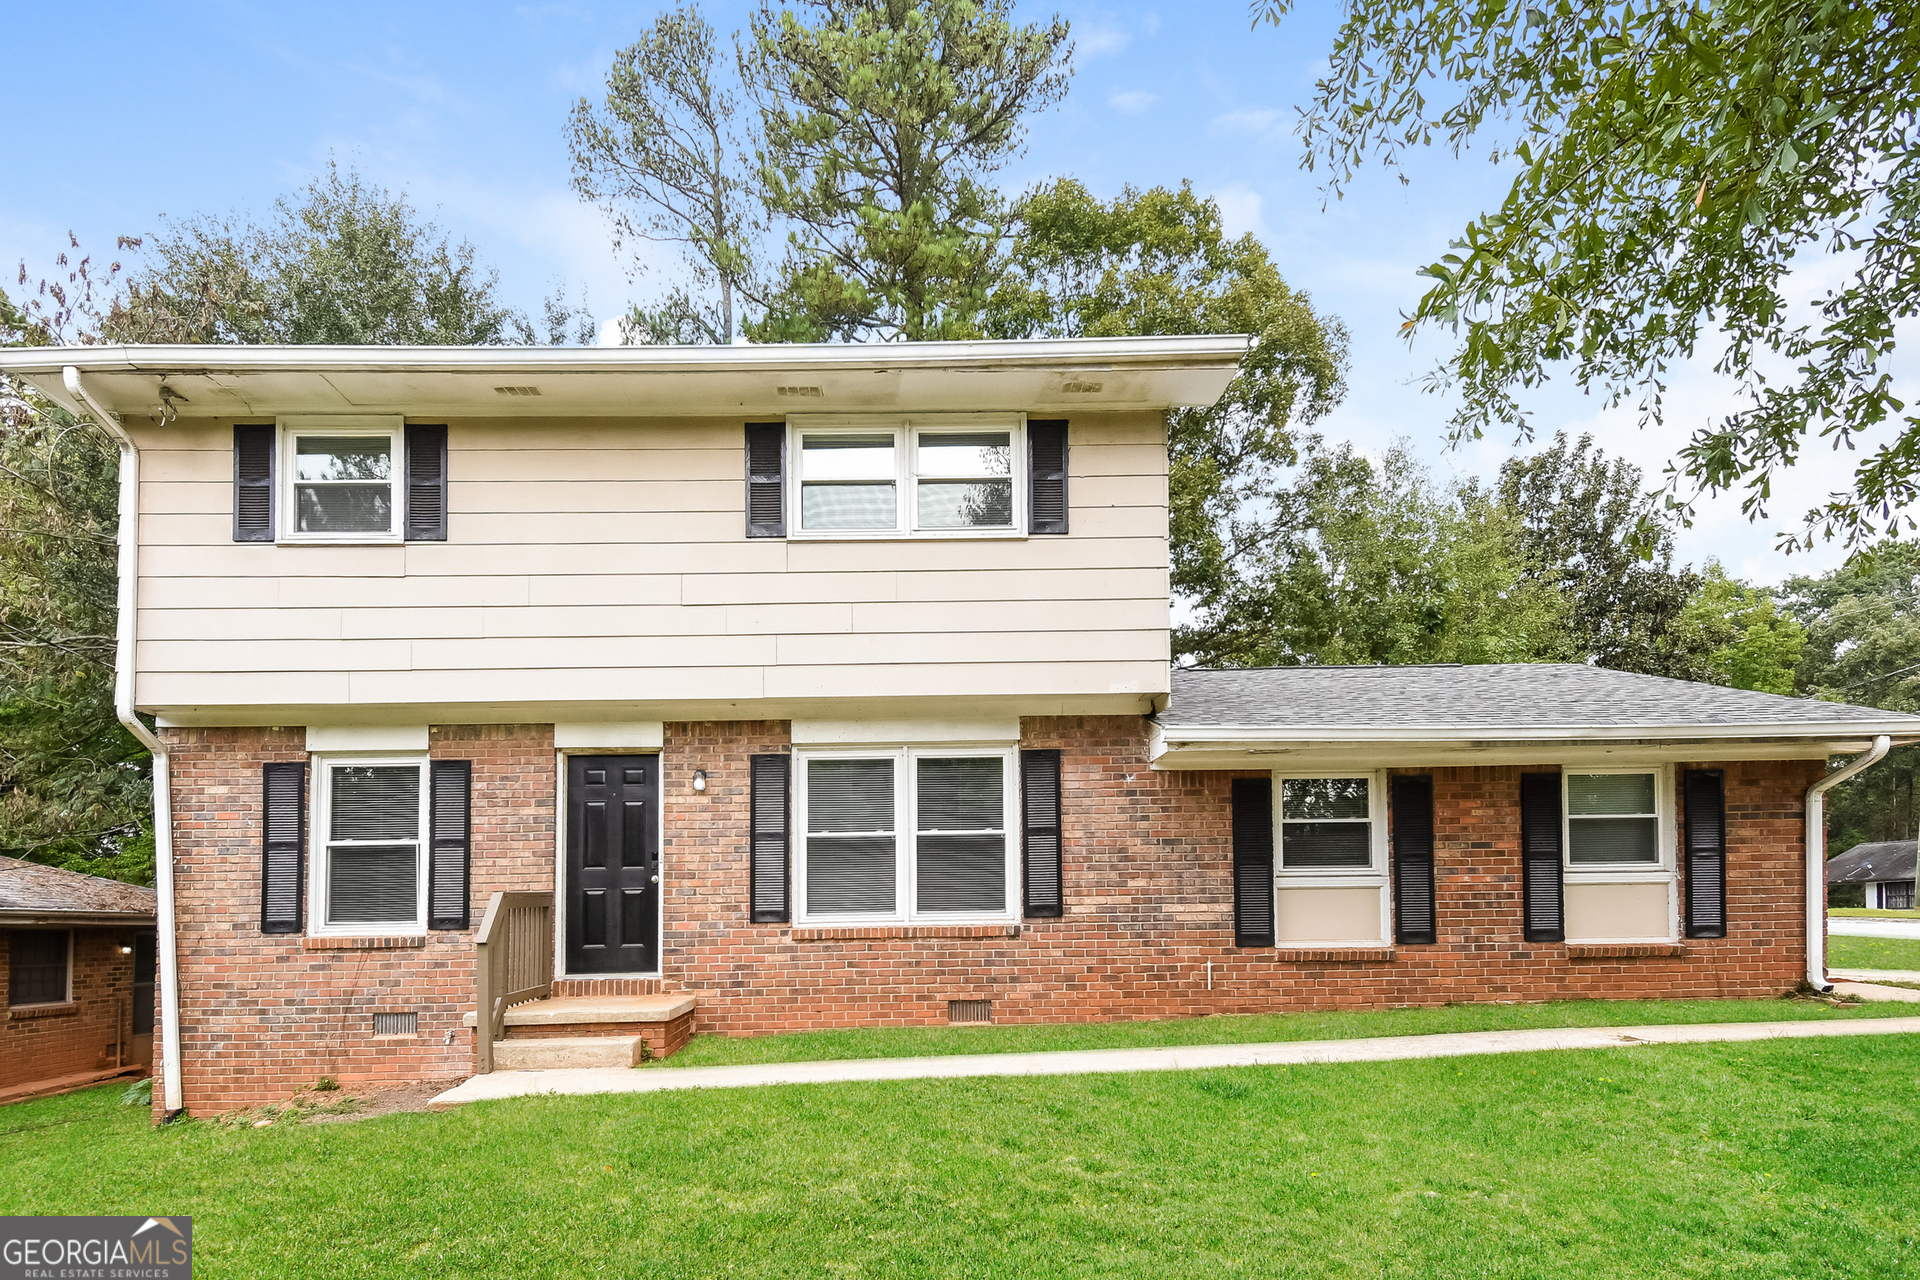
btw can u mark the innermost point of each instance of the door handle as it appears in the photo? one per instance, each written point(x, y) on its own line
point(656, 879)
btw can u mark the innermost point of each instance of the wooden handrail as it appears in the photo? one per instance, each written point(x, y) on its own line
point(513, 963)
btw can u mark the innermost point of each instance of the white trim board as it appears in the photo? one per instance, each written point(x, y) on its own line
point(896, 732)
point(366, 737)
point(615, 736)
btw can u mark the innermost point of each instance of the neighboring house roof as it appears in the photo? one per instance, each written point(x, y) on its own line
point(1213, 712)
point(1039, 376)
point(35, 894)
point(1880, 860)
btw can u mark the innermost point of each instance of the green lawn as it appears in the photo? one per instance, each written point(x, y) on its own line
point(1872, 953)
point(1873, 913)
point(914, 1042)
point(1784, 1158)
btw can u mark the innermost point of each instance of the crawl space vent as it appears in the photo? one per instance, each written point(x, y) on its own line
point(969, 1011)
point(396, 1024)
point(517, 391)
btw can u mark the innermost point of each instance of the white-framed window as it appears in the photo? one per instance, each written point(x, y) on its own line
point(1616, 820)
point(369, 844)
point(923, 834)
point(1330, 827)
point(958, 475)
point(340, 479)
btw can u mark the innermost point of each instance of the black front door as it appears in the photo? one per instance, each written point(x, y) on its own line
point(613, 864)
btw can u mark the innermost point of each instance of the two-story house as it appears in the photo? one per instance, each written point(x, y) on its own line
point(589, 698)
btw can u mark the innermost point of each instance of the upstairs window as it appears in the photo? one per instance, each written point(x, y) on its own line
point(934, 478)
point(1613, 819)
point(341, 479)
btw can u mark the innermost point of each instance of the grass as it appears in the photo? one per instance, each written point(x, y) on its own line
point(1872, 913)
point(914, 1042)
point(1872, 953)
point(1771, 1159)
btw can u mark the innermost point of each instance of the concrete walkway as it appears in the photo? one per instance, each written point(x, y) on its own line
point(1872, 927)
point(514, 1084)
point(1874, 975)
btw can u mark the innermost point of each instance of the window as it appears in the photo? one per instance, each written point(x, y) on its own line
point(907, 835)
point(340, 475)
point(37, 966)
point(1613, 819)
point(956, 477)
point(369, 843)
point(1896, 895)
point(1326, 824)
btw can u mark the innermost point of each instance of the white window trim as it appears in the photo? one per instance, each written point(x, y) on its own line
point(66, 998)
point(906, 778)
point(1375, 872)
point(287, 509)
point(906, 431)
point(1662, 871)
point(320, 819)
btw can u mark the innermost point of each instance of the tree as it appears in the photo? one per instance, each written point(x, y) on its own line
point(1673, 164)
point(1576, 515)
point(1158, 262)
point(661, 155)
point(1763, 646)
point(343, 261)
point(882, 124)
point(1863, 646)
point(74, 784)
point(1374, 564)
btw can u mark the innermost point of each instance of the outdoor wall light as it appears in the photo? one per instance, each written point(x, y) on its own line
point(699, 779)
point(126, 951)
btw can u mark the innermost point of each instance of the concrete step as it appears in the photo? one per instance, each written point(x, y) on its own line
point(557, 1053)
point(565, 1010)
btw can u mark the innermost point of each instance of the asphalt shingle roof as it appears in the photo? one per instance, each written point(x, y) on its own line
point(1538, 695)
point(1881, 860)
point(28, 886)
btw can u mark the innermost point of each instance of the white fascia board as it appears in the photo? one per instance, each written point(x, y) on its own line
point(1906, 727)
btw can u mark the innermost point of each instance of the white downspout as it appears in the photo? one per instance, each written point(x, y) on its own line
point(127, 604)
point(1817, 861)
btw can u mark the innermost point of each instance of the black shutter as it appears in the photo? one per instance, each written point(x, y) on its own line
point(1706, 792)
point(1040, 834)
point(253, 449)
point(450, 845)
point(426, 484)
point(283, 843)
point(767, 486)
point(1540, 896)
point(767, 838)
point(1413, 909)
point(1253, 862)
point(1047, 476)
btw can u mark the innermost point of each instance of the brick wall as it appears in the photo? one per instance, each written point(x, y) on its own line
point(1148, 890)
point(49, 1041)
point(1150, 903)
point(264, 1015)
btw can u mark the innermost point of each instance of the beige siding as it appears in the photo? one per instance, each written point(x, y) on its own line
point(597, 560)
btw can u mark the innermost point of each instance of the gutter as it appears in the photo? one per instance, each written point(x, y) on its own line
point(1817, 867)
point(126, 618)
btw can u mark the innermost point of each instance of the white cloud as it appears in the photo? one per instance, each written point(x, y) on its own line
point(1099, 42)
point(1252, 120)
point(1132, 102)
point(1240, 210)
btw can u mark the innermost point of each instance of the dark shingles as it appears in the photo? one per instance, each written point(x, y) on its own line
point(1508, 695)
point(1881, 860)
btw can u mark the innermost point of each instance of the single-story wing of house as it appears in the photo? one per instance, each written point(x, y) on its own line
point(1883, 868)
point(78, 955)
point(544, 707)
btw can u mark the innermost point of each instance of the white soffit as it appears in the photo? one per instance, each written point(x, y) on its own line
point(363, 737)
point(1037, 377)
point(634, 735)
point(866, 733)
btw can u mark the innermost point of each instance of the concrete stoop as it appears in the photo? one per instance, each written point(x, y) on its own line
point(560, 1053)
point(567, 1032)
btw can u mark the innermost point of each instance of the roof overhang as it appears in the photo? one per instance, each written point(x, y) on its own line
point(1039, 377)
point(1418, 746)
point(30, 918)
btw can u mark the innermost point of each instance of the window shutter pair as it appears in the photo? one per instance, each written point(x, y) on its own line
point(767, 470)
point(769, 844)
point(425, 481)
point(284, 844)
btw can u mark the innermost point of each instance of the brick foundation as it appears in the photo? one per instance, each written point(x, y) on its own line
point(1149, 906)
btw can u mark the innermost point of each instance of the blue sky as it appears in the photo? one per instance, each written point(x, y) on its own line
point(129, 112)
